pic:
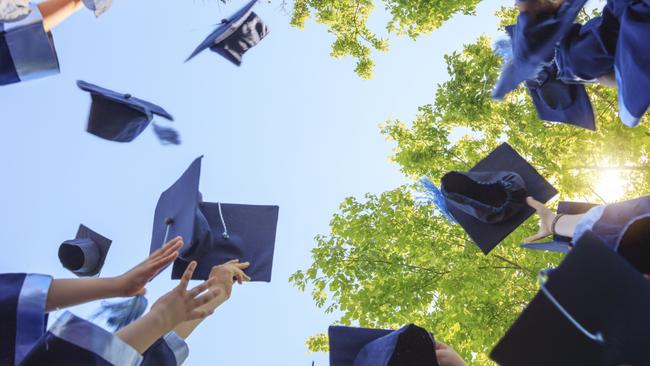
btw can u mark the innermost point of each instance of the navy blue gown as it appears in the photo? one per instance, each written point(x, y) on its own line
point(170, 350)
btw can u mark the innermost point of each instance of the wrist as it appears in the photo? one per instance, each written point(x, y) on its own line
point(158, 321)
point(113, 287)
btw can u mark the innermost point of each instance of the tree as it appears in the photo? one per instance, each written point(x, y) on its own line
point(347, 20)
point(389, 260)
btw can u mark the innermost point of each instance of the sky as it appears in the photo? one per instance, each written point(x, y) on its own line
point(291, 127)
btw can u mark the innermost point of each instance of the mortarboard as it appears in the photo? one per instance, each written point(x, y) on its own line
point(85, 254)
point(557, 101)
point(235, 35)
point(592, 310)
point(75, 341)
point(121, 117)
point(534, 38)
point(562, 244)
point(489, 201)
point(408, 346)
point(214, 233)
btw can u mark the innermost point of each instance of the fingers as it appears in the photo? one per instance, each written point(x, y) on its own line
point(243, 265)
point(196, 291)
point(232, 261)
point(538, 206)
point(205, 298)
point(200, 314)
point(160, 263)
point(440, 345)
point(187, 275)
point(168, 247)
point(241, 276)
point(536, 237)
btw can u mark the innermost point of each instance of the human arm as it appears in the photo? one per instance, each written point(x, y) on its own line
point(447, 356)
point(69, 292)
point(564, 226)
point(56, 11)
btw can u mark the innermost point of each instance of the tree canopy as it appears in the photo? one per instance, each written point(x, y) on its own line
point(389, 260)
point(347, 20)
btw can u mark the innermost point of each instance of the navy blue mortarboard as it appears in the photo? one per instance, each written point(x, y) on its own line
point(121, 117)
point(489, 201)
point(408, 346)
point(235, 35)
point(84, 255)
point(214, 233)
point(562, 244)
point(534, 38)
point(632, 60)
point(77, 342)
point(557, 101)
point(594, 308)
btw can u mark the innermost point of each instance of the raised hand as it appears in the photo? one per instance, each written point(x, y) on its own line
point(225, 274)
point(132, 282)
point(180, 304)
point(447, 356)
point(546, 217)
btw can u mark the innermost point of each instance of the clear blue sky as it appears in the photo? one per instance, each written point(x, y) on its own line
point(291, 127)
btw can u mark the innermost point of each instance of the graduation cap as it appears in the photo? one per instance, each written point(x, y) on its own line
point(534, 38)
point(557, 101)
point(85, 254)
point(592, 310)
point(631, 62)
point(562, 244)
point(235, 35)
point(489, 201)
point(408, 346)
point(121, 117)
point(214, 233)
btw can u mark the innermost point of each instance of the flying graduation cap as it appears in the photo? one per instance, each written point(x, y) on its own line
point(592, 310)
point(99, 7)
point(408, 346)
point(214, 233)
point(85, 254)
point(235, 35)
point(562, 244)
point(534, 38)
point(489, 201)
point(122, 117)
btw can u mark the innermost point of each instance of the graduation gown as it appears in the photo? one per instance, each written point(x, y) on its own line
point(22, 310)
point(26, 51)
point(171, 350)
point(73, 341)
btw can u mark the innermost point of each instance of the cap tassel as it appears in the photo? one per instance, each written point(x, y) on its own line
point(434, 195)
point(223, 222)
point(596, 337)
point(120, 314)
point(166, 135)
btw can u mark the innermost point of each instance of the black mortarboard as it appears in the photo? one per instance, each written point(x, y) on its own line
point(85, 254)
point(214, 233)
point(121, 117)
point(592, 310)
point(489, 201)
point(562, 244)
point(235, 35)
point(408, 346)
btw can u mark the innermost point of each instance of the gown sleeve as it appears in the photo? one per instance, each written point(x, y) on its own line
point(22, 308)
point(26, 51)
point(73, 341)
point(171, 350)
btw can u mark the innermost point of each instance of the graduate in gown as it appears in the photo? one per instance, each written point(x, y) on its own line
point(610, 49)
point(27, 48)
point(623, 227)
point(26, 299)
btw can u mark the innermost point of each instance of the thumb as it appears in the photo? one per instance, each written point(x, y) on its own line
point(535, 237)
point(538, 206)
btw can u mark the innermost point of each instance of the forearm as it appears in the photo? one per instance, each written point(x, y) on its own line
point(144, 332)
point(566, 225)
point(70, 292)
point(56, 11)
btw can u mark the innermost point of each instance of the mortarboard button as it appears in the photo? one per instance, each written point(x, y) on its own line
point(84, 255)
point(489, 201)
point(214, 233)
point(121, 117)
